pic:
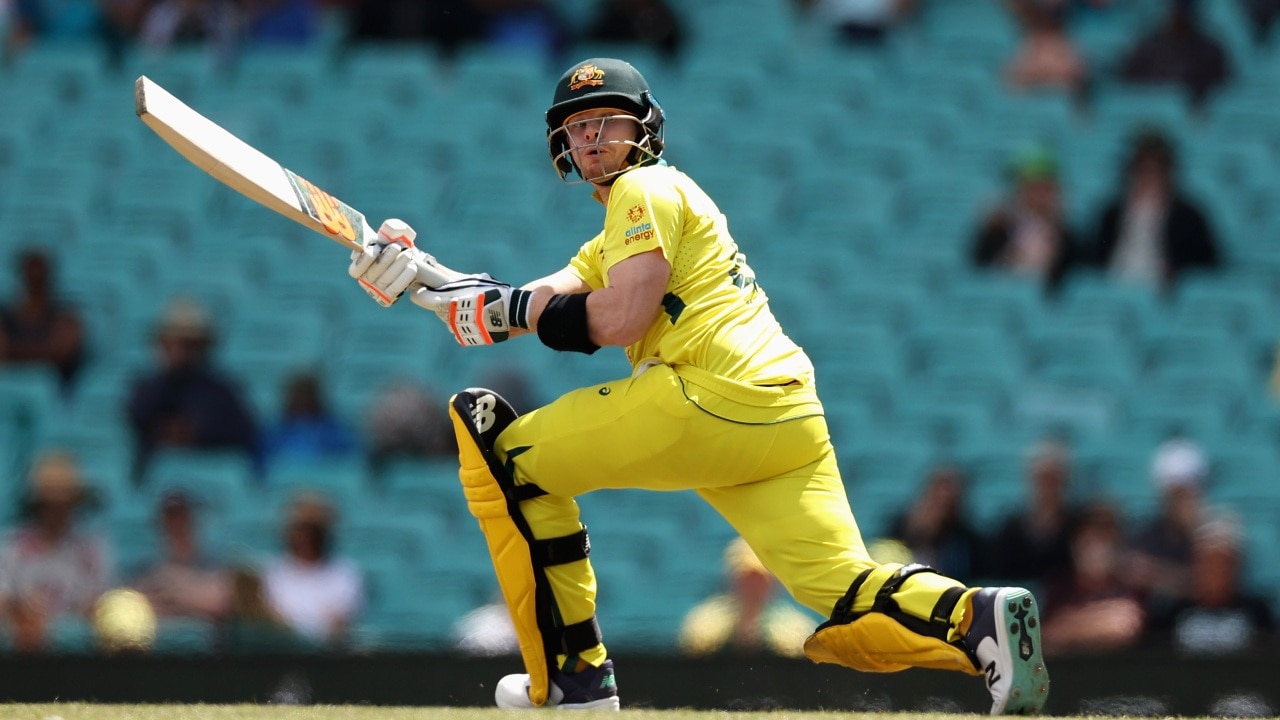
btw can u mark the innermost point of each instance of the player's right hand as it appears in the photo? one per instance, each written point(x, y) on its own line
point(387, 265)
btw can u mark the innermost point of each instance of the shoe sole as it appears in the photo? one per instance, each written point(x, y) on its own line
point(1019, 630)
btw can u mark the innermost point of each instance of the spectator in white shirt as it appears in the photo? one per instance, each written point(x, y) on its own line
point(312, 591)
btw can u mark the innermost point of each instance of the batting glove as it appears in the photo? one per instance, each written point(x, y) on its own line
point(387, 265)
point(478, 309)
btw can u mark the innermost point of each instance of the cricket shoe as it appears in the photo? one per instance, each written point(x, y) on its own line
point(591, 689)
point(1004, 640)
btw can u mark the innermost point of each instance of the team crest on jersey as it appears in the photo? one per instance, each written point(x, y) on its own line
point(635, 213)
point(585, 76)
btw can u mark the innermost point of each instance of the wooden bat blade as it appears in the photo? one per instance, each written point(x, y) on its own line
point(243, 168)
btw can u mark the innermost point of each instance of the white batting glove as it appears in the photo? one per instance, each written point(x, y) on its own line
point(478, 309)
point(387, 265)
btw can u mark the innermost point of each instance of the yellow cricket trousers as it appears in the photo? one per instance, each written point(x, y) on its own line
point(762, 457)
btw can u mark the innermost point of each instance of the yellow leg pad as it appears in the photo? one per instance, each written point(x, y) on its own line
point(878, 643)
point(898, 617)
point(510, 552)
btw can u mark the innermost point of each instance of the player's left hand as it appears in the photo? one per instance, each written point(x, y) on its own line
point(478, 309)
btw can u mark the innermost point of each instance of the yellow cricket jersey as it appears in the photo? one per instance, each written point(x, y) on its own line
point(715, 317)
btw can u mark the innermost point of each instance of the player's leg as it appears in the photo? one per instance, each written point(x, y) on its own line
point(638, 432)
point(555, 633)
point(883, 617)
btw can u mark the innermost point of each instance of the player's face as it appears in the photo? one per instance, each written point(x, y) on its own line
point(600, 141)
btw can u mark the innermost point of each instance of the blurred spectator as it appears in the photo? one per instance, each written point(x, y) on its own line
point(307, 430)
point(1091, 608)
point(750, 618)
point(648, 22)
point(1217, 617)
point(1046, 57)
point(314, 592)
point(1161, 567)
point(176, 22)
point(862, 21)
point(486, 631)
point(524, 25)
point(448, 23)
point(36, 328)
point(185, 402)
point(513, 384)
point(1034, 543)
point(1178, 51)
point(408, 420)
point(1151, 232)
point(292, 22)
point(50, 566)
point(936, 530)
point(1262, 15)
point(1029, 234)
point(183, 582)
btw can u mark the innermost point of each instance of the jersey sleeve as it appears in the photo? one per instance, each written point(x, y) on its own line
point(646, 212)
point(586, 264)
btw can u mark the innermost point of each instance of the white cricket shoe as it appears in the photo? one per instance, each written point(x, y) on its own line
point(1004, 640)
point(591, 689)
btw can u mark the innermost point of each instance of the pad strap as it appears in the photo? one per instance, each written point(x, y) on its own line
point(576, 638)
point(939, 623)
point(560, 550)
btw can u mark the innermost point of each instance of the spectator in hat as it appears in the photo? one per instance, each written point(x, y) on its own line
point(186, 402)
point(51, 567)
point(1028, 233)
point(35, 327)
point(751, 617)
point(1151, 231)
point(1218, 616)
point(1162, 550)
point(184, 581)
point(310, 588)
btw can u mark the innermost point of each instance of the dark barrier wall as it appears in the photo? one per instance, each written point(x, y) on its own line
point(1134, 684)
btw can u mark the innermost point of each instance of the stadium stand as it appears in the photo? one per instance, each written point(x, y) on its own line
point(858, 169)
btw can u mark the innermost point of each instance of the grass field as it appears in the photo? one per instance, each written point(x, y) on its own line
point(89, 711)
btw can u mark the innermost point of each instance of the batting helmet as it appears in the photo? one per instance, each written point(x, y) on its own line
point(604, 83)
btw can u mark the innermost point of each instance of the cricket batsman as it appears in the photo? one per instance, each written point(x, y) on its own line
point(718, 401)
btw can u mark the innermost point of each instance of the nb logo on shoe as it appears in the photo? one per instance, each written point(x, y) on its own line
point(482, 415)
point(993, 676)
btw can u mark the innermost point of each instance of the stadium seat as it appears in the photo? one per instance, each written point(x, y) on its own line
point(184, 636)
point(221, 478)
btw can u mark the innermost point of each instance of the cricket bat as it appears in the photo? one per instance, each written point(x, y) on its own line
point(248, 171)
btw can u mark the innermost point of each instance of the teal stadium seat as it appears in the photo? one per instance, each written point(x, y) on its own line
point(222, 478)
point(184, 636)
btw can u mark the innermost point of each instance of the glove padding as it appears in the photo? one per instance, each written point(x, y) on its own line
point(478, 309)
point(387, 265)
